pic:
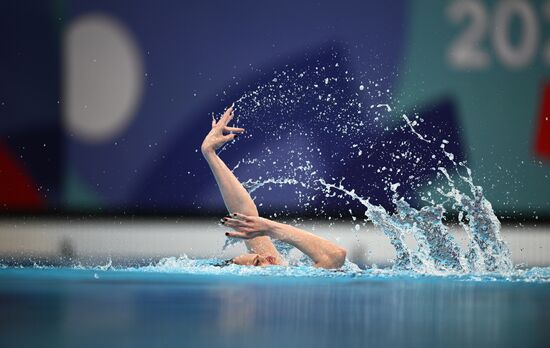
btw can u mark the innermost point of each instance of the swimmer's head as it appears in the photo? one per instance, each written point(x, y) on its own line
point(254, 260)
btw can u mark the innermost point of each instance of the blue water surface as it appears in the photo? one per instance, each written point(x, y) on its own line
point(206, 306)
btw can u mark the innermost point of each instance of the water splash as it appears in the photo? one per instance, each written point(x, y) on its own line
point(404, 166)
point(350, 129)
point(487, 251)
point(184, 265)
point(437, 252)
point(252, 185)
point(380, 217)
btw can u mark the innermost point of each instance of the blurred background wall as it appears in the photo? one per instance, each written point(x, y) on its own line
point(103, 104)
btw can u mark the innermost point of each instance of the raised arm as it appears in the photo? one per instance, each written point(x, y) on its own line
point(235, 196)
point(324, 254)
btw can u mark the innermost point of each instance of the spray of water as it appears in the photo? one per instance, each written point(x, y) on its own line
point(315, 127)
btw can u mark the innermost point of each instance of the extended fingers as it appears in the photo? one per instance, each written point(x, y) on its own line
point(233, 223)
point(233, 129)
point(228, 111)
point(213, 121)
point(228, 137)
point(227, 116)
point(238, 235)
point(240, 216)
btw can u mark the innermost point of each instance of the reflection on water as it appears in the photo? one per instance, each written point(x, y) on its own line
point(125, 309)
point(389, 314)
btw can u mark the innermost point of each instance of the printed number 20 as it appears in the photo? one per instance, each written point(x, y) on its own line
point(466, 51)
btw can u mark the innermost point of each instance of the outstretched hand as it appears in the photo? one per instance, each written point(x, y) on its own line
point(246, 227)
point(220, 133)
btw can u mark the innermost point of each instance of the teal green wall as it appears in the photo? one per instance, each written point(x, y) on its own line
point(497, 104)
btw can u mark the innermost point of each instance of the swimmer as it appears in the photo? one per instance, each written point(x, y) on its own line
point(244, 219)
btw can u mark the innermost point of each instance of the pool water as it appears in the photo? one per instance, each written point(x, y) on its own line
point(303, 307)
